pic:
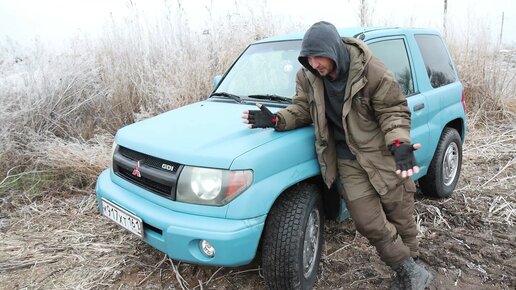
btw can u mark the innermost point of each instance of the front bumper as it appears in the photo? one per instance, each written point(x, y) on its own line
point(178, 234)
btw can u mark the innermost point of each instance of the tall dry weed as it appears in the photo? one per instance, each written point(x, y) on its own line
point(51, 103)
point(487, 72)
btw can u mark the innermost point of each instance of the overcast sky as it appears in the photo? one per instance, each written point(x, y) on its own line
point(58, 20)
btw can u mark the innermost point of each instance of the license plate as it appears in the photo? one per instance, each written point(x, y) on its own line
point(122, 217)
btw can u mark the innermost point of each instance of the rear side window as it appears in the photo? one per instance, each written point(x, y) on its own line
point(437, 61)
point(393, 54)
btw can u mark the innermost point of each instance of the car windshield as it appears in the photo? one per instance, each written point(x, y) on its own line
point(264, 69)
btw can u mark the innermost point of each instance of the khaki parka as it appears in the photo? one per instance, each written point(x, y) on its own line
point(375, 113)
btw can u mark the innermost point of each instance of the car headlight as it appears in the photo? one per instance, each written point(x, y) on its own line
point(113, 149)
point(211, 186)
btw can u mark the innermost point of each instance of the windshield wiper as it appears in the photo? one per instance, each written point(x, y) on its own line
point(227, 95)
point(272, 98)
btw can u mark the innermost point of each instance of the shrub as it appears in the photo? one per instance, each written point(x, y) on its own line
point(54, 103)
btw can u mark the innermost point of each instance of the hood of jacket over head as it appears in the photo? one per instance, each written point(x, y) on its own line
point(323, 39)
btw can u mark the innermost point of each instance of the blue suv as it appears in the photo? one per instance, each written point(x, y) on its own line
point(198, 185)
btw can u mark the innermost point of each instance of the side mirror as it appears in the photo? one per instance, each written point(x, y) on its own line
point(216, 81)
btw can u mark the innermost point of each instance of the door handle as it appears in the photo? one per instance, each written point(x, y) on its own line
point(419, 106)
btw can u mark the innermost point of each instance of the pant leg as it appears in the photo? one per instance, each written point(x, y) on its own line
point(400, 214)
point(367, 211)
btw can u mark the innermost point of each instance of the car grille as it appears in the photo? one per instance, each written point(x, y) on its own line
point(153, 176)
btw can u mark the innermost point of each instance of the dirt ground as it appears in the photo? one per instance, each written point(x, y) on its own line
point(58, 239)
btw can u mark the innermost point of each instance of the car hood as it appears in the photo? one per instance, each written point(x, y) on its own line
point(208, 133)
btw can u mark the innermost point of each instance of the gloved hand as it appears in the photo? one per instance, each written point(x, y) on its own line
point(262, 118)
point(405, 160)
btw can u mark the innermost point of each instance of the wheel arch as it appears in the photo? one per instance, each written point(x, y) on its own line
point(432, 184)
point(329, 196)
point(458, 124)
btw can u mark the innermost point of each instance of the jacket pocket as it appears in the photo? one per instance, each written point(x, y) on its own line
point(363, 127)
point(410, 187)
point(382, 171)
point(399, 193)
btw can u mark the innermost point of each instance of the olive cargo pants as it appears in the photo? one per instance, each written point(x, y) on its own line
point(385, 220)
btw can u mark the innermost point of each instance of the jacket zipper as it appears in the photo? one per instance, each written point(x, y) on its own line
point(354, 82)
point(352, 147)
point(317, 124)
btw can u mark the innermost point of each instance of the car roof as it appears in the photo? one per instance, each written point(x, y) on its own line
point(368, 32)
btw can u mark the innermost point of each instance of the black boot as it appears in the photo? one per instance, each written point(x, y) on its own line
point(411, 276)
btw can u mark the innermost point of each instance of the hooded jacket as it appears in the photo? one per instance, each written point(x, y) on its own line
point(374, 113)
point(322, 39)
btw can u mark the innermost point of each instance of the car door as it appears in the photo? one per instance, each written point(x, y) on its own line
point(394, 53)
point(440, 85)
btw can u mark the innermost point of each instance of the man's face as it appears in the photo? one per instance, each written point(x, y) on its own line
point(325, 66)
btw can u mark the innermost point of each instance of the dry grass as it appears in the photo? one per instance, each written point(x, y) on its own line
point(137, 68)
point(490, 158)
point(488, 179)
point(488, 74)
point(57, 239)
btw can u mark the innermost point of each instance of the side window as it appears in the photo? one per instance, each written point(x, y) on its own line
point(393, 53)
point(437, 61)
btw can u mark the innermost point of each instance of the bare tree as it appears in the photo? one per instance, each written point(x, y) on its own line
point(445, 15)
point(365, 12)
point(501, 30)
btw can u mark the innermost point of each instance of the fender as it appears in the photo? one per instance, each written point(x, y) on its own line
point(260, 197)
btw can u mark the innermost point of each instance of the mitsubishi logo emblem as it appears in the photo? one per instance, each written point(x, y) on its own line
point(136, 170)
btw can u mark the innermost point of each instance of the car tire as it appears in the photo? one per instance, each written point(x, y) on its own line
point(293, 239)
point(444, 170)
